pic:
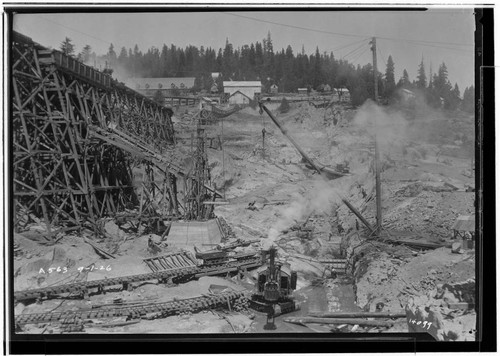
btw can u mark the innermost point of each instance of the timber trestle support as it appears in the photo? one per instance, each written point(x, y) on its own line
point(81, 139)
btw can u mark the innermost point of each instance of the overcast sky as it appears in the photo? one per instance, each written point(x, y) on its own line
point(439, 35)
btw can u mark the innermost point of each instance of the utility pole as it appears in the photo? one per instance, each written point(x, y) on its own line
point(377, 153)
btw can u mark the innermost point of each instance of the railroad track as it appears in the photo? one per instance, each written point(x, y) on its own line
point(178, 275)
point(153, 310)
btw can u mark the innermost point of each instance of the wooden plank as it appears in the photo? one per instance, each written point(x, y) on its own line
point(98, 249)
point(353, 321)
point(395, 314)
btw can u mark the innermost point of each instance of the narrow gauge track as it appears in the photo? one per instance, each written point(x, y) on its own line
point(178, 275)
point(161, 310)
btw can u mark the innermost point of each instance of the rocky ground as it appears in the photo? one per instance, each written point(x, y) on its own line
point(426, 185)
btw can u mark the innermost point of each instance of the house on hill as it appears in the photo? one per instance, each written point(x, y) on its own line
point(407, 95)
point(273, 89)
point(167, 86)
point(246, 88)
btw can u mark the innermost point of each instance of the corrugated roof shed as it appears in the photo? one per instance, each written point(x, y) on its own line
point(160, 83)
point(465, 223)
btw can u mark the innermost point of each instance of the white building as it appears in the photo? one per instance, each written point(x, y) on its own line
point(246, 88)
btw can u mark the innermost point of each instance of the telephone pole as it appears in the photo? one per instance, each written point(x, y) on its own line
point(377, 153)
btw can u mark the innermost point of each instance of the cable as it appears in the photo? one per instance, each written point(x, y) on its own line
point(360, 55)
point(292, 26)
point(420, 42)
point(345, 46)
point(354, 54)
point(429, 45)
point(384, 58)
point(69, 28)
point(354, 50)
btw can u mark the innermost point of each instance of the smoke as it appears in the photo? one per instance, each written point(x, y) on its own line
point(319, 199)
point(121, 74)
point(390, 127)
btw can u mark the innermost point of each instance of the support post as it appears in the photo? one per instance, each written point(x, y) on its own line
point(377, 153)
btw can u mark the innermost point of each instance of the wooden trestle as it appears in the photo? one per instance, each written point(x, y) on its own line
point(70, 165)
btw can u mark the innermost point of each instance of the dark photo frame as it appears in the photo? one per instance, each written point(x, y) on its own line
point(95, 161)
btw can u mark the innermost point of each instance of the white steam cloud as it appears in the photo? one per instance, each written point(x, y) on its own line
point(391, 127)
point(319, 199)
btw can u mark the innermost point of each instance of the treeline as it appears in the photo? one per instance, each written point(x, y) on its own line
point(288, 70)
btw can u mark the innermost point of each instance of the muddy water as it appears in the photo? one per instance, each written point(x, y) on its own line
point(333, 296)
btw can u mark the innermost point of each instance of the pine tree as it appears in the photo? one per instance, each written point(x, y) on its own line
point(421, 78)
point(111, 56)
point(430, 77)
point(390, 82)
point(316, 74)
point(268, 44)
point(84, 55)
point(456, 91)
point(67, 47)
point(468, 101)
point(404, 82)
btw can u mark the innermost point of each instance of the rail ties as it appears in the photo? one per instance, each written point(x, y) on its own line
point(165, 309)
point(171, 260)
point(183, 271)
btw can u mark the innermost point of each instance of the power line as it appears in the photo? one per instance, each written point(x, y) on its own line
point(384, 58)
point(422, 42)
point(345, 46)
point(73, 29)
point(297, 27)
point(355, 54)
point(418, 42)
point(360, 55)
point(363, 45)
